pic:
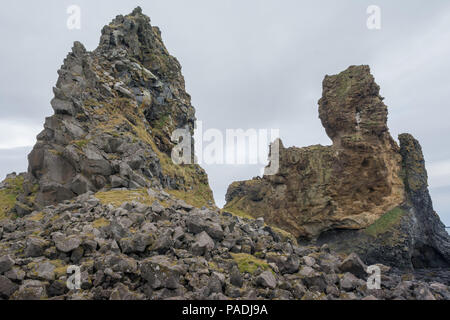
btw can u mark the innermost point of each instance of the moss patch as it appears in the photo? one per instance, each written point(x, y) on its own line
point(248, 263)
point(191, 179)
point(285, 235)
point(7, 201)
point(118, 197)
point(81, 143)
point(9, 194)
point(212, 265)
point(198, 197)
point(387, 221)
point(37, 217)
point(233, 207)
point(60, 268)
point(100, 223)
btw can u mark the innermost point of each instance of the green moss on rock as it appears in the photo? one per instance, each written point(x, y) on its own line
point(8, 195)
point(385, 223)
point(248, 263)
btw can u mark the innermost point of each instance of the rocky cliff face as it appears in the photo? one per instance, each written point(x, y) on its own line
point(356, 192)
point(431, 241)
point(115, 110)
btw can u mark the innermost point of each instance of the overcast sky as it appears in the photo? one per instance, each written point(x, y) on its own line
point(248, 64)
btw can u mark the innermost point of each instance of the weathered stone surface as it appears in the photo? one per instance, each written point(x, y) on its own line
point(432, 242)
point(236, 277)
point(121, 292)
point(115, 110)
point(286, 264)
point(363, 194)
point(30, 290)
point(6, 263)
point(267, 280)
point(349, 282)
point(7, 287)
point(43, 271)
point(66, 244)
point(203, 244)
point(163, 243)
point(197, 224)
point(316, 188)
point(160, 273)
point(354, 265)
point(35, 247)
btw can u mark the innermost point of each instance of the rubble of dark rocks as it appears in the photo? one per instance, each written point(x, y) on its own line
point(168, 249)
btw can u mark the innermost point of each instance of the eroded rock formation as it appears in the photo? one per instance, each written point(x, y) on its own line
point(354, 193)
point(115, 110)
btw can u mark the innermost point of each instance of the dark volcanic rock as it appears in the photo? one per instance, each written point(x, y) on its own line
point(431, 240)
point(115, 111)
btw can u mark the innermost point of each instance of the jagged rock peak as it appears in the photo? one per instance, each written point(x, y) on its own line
point(416, 177)
point(115, 111)
point(135, 34)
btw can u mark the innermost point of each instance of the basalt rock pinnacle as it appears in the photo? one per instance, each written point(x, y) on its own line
point(115, 110)
point(355, 192)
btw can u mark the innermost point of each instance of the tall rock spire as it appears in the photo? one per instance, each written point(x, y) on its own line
point(354, 194)
point(432, 242)
point(115, 110)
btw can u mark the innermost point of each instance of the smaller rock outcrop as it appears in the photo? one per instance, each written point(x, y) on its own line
point(364, 193)
point(431, 241)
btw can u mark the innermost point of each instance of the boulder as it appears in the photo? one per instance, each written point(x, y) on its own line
point(30, 290)
point(7, 287)
point(160, 272)
point(267, 280)
point(66, 244)
point(203, 244)
point(236, 277)
point(349, 282)
point(354, 265)
point(121, 292)
point(6, 263)
point(35, 247)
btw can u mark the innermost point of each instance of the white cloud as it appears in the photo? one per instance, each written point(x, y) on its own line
point(439, 174)
point(16, 135)
point(418, 52)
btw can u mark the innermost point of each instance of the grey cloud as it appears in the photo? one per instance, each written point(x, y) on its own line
point(13, 160)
